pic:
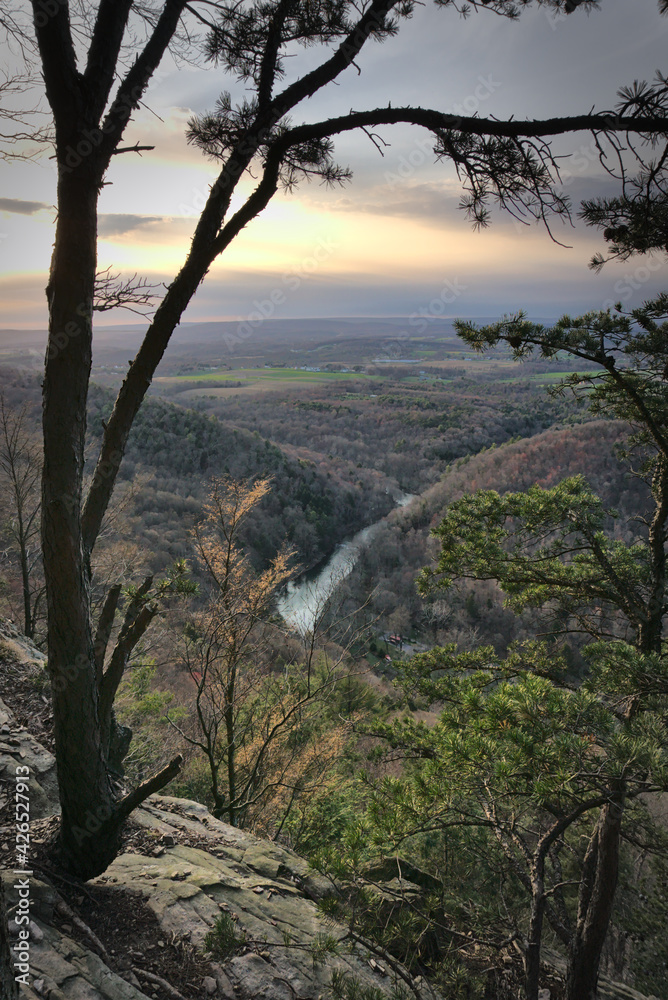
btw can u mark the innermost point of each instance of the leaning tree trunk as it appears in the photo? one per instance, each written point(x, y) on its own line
point(595, 903)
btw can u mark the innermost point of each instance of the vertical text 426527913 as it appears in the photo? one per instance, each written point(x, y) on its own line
point(21, 949)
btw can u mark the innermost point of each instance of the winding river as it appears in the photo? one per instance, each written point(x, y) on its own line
point(304, 597)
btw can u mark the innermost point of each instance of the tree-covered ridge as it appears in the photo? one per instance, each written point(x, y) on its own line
point(403, 546)
point(406, 430)
point(179, 450)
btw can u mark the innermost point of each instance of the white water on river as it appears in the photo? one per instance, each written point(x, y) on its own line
point(304, 598)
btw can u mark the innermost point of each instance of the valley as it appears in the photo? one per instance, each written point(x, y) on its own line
point(343, 449)
point(339, 439)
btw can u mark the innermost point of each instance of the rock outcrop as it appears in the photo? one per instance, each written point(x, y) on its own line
point(266, 892)
point(153, 908)
point(193, 908)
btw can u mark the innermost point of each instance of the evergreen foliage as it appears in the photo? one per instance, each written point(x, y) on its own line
point(529, 779)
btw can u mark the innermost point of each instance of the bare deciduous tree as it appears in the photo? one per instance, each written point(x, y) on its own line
point(255, 719)
point(20, 472)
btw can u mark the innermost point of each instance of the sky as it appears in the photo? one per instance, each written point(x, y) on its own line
point(393, 241)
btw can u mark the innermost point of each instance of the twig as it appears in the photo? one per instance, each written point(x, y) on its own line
point(133, 149)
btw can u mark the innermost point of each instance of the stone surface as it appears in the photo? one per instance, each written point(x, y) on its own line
point(62, 969)
point(266, 890)
point(17, 745)
point(193, 868)
point(20, 749)
point(187, 888)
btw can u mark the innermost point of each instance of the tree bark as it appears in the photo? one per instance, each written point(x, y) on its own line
point(532, 960)
point(28, 627)
point(85, 790)
point(231, 756)
point(596, 899)
point(650, 633)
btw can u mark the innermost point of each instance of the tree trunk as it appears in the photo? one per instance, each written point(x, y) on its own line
point(532, 960)
point(28, 626)
point(231, 763)
point(597, 895)
point(85, 792)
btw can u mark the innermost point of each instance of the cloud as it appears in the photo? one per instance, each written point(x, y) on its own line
point(114, 224)
point(20, 207)
point(167, 135)
point(426, 202)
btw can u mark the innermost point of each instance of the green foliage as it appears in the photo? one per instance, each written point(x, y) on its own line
point(456, 982)
point(511, 732)
point(322, 947)
point(344, 986)
point(629, 348)
point(194, 782)
point(642, 678)
point(137, 700)
point(318, 822)
point(144, 708)
point(543, 545)
point(224, 938)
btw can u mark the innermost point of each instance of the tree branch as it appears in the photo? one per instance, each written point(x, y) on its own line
point(136, 81)
point(103, 631)
point(148, 787)
point(103, 52)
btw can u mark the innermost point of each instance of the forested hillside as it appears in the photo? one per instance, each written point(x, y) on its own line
point(173, 453)
point(179, 450)
point(388, 568)
point(336, 460)
point(405, 425)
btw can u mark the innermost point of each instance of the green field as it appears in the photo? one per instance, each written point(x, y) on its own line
point(543, 378)
point(262, 374)
point(549, 377)
point(254, 379)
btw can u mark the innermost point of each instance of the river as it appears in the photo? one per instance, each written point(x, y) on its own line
point(304, 597)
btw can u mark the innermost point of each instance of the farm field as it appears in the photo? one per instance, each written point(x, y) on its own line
point(239, 381)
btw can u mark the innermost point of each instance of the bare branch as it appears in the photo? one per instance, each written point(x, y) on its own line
point(136, 294)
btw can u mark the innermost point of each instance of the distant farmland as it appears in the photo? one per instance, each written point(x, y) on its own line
point(239, 380)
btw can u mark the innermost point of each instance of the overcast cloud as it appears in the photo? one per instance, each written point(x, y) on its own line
point(398, 231)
